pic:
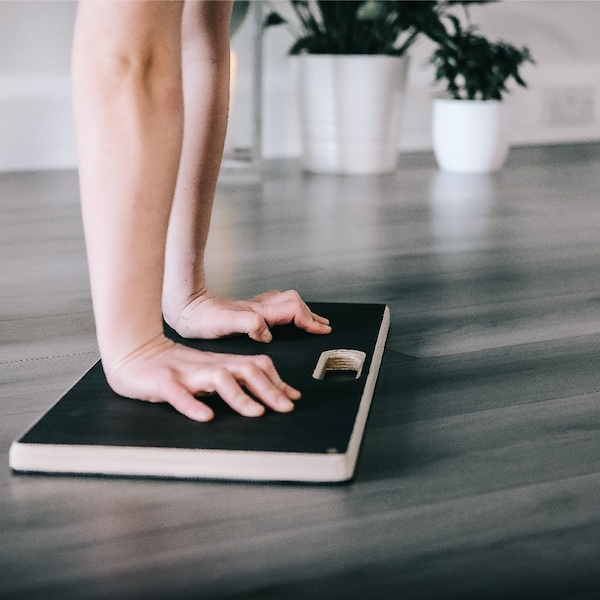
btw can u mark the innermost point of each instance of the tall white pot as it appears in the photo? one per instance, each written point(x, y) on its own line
point(470, 136)
point(349, 112)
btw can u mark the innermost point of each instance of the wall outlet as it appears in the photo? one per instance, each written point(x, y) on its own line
point(572, 105)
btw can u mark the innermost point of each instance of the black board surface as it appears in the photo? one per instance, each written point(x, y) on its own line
point(92, 430)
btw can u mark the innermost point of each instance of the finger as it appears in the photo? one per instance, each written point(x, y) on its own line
point(251, 323)
point(264, 297)
point(184, 402)
point(262, 387)
point(303, 317)
point(319, 318)
point(256, 328)
point(313, 324)
point(265, 364)
point(231, 392)
point(291, 392)
point(282, 298)
point(293, 310)
point(294, 296)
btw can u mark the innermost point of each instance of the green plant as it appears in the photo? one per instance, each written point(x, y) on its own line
point(357, 26)
point(473, 67)
point(239, 11)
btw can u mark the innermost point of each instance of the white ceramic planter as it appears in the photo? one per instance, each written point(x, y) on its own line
point(349, 112)
point(470, 136)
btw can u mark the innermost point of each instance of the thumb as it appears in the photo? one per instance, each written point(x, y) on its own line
point(261, 332)
point(251, 323)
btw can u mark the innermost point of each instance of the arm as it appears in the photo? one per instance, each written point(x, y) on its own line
point(129, 118)
point(187, 304)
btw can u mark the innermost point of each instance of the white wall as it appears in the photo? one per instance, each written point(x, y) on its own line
point(562, 35)
point(35, 112)
point(36, 128)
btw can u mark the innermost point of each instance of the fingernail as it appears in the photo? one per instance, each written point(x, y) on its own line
point(266, 336)
point(254, 411)
point(204, 414)
point(288, 390)
point(285, 405)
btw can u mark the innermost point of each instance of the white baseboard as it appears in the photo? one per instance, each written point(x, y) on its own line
point(560, 105)
point(36, 124)
point(572, 90)
point(530, 122)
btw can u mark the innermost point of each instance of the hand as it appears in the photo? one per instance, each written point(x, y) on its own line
point(208, 317)
point(163, 371)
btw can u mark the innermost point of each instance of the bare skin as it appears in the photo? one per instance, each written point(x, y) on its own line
point(148, 172)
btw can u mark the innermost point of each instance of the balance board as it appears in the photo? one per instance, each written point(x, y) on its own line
point(93, 431)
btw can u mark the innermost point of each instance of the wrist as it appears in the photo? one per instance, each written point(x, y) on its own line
point(115, 356)
point(122, 334)
point(177, 308)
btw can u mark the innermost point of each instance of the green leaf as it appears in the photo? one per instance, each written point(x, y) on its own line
point(273, 19)
point(372, 10)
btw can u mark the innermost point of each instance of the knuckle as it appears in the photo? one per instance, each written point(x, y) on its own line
point(249, 370)
point(292, 295)
point(166, 386)
point(256, 321)
point(263, 361)
point(221, 375)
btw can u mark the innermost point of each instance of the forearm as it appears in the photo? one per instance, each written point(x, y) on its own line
point(129, 118)
point(206, 91)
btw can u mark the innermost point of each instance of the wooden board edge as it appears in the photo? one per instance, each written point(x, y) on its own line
point(185, 464)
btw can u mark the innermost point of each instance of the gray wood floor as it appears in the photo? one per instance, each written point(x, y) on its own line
point(479, 475)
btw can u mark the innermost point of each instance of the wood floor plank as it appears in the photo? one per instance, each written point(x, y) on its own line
point(416, 547)
point(479, 475)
